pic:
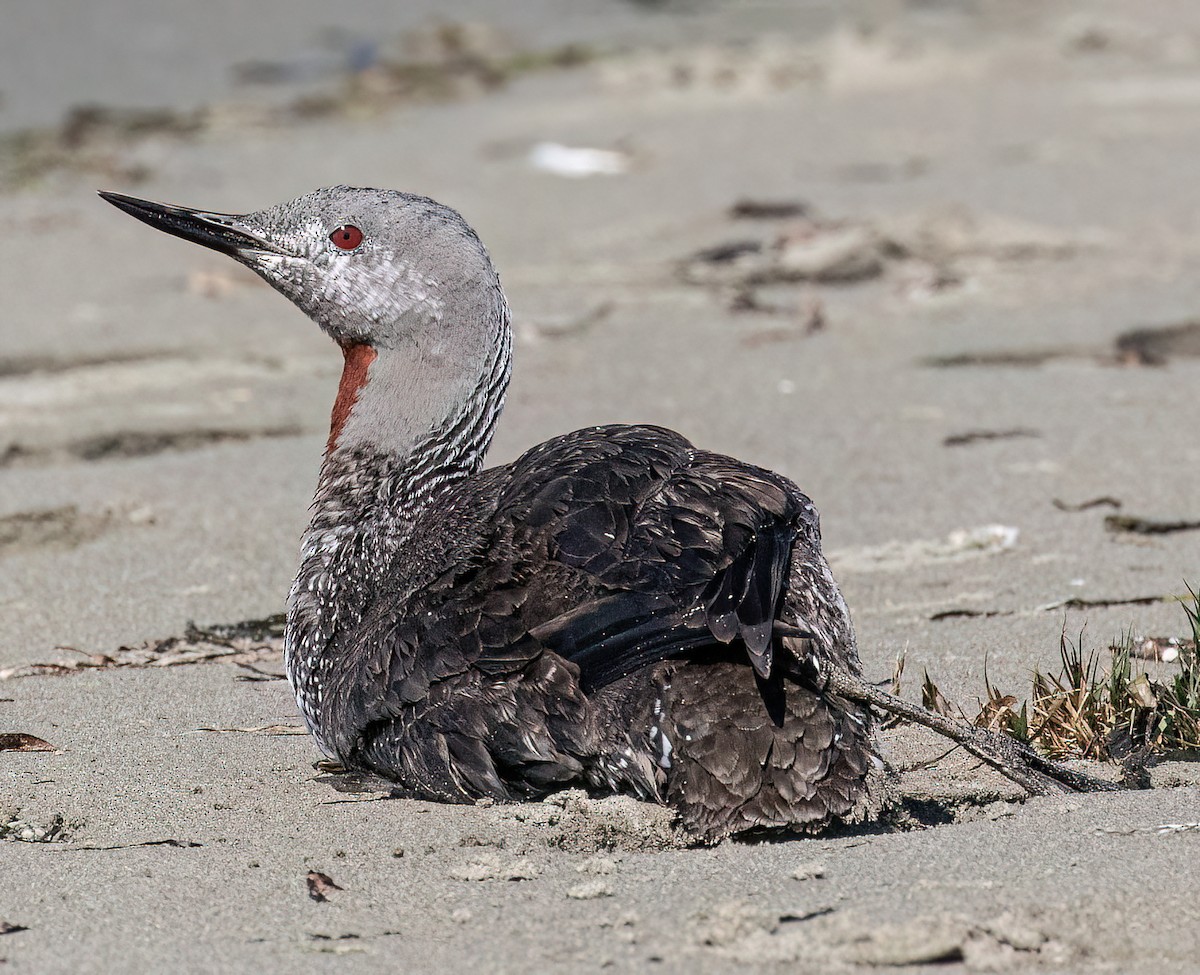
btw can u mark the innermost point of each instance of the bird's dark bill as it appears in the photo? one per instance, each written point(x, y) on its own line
point(215, 230)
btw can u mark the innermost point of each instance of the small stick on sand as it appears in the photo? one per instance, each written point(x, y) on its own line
point(1014, 759)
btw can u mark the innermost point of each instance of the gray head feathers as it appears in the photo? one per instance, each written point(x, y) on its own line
point(418, 268)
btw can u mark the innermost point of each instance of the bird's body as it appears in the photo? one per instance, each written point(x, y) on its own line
point(615, 609)
point(552, 622)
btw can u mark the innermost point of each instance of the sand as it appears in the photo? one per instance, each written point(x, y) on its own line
point(999, 194)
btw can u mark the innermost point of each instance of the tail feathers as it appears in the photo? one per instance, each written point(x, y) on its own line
point(735, 769)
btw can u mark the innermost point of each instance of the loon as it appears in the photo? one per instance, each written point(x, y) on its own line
point(616, 609)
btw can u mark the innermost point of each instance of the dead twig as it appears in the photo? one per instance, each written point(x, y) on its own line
point(1013, 759)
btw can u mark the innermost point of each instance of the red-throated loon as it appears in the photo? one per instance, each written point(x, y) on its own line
point(615, 609)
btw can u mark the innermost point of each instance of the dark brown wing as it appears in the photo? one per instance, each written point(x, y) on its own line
point(589, 558)
point(676, 549)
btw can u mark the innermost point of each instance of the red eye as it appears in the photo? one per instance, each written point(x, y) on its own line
point(347, 237)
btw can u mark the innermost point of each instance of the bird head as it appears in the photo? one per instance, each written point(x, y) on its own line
point(400, 282)
point(371, 267)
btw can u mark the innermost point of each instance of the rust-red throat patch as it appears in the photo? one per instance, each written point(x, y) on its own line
point(358, 358)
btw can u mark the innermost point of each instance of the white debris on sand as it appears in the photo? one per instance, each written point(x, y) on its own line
point(576, 162)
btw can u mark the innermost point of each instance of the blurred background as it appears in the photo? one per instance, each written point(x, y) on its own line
point(935, 260)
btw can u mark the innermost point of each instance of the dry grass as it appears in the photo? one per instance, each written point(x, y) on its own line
point(1086, 711)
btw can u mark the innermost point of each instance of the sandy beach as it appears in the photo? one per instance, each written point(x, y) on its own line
point(937, 262)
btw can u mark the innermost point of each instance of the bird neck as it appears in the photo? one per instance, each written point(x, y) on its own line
point(407, 424)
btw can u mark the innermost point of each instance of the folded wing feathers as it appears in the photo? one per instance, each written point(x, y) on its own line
point(645, 550)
